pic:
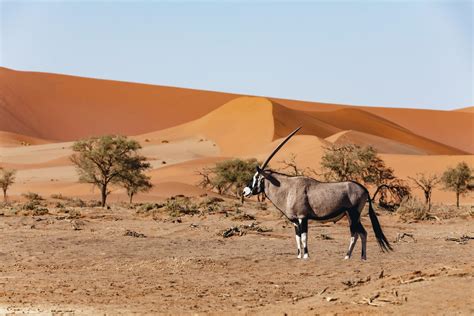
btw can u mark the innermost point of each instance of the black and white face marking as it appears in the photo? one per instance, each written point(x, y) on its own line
point(255, 186)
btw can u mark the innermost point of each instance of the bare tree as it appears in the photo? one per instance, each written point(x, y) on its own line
point(7, 178)
point(294, 170)
point(426, 183)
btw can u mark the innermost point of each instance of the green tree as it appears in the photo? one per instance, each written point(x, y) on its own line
point(135, 181)
point(102, 161)
point(362, 164)
point(458, 179)
point(7, 178)
point(229, 176)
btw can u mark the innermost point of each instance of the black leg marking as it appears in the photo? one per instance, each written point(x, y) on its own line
point(298, 230)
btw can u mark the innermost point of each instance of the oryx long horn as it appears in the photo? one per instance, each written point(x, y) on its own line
point(278, 148)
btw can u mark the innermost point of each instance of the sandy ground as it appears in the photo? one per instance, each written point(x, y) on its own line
point(185, 266)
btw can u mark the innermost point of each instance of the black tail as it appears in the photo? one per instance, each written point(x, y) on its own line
point(381, 239)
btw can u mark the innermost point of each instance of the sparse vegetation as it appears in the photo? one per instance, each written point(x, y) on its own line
point(180, 205)
point(412, 209)
point(34, 204)
point(106, 160)
point(229, 176)
point(7, 178)
point(458, 180)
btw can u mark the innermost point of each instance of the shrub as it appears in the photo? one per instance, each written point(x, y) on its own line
point(229, 176)
point(32, 196)
point(180, 205)
point(412, 209)
point(34, 201)
point(58, 196)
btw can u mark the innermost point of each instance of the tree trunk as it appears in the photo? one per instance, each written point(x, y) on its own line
point(103, 191)
point(428, 199)
point(131, 197)
point(457, 199)
point(5, 195)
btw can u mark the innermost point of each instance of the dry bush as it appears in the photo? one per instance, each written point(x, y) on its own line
point(32, 196)
point(211, 204)
point(58, 196)
point(34, 203)
point(443, 211)
point(180, 205)
point(412, 209)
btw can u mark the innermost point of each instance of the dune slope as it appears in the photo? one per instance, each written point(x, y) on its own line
point(64, 108)
point(326, 123)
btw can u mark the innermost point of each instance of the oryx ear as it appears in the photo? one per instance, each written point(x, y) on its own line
point(263, 173)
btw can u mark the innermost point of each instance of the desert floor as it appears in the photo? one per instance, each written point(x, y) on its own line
point(79, 261)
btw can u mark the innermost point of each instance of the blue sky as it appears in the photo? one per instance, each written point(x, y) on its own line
point(379, 53)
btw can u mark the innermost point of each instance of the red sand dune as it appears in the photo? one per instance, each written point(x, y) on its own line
point(381, 144)
point(327, 123)
point(63, 108)
point(238, 127)
point(191, 129)
point(469, 109)
point(452, 128)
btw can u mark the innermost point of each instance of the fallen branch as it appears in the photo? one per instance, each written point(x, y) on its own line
point(419, 279)
point(401, 236)
point(323, 290)
point(134, 234)
point(460, 240)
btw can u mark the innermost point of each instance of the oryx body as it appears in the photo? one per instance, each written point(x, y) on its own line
point(302, 198)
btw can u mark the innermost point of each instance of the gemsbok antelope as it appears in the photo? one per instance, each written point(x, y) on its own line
point(302, 198)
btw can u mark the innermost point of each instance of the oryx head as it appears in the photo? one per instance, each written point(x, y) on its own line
point(255, 186)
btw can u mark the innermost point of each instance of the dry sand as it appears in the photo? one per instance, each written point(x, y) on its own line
point(186, 266)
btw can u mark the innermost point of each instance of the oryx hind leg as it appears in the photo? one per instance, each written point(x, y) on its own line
point(361, 231)
point(356, 230)
point(352, 243)
point(298, 237)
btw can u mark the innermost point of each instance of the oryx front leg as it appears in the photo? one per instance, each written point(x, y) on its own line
point(298, 237)
point(304, 237)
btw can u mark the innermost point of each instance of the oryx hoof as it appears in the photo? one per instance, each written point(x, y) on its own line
point(306, 256)
point(347, 257)
point(298, 256)
point(363, 258)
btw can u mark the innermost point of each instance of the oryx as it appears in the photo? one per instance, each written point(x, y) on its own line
point(302, 198)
